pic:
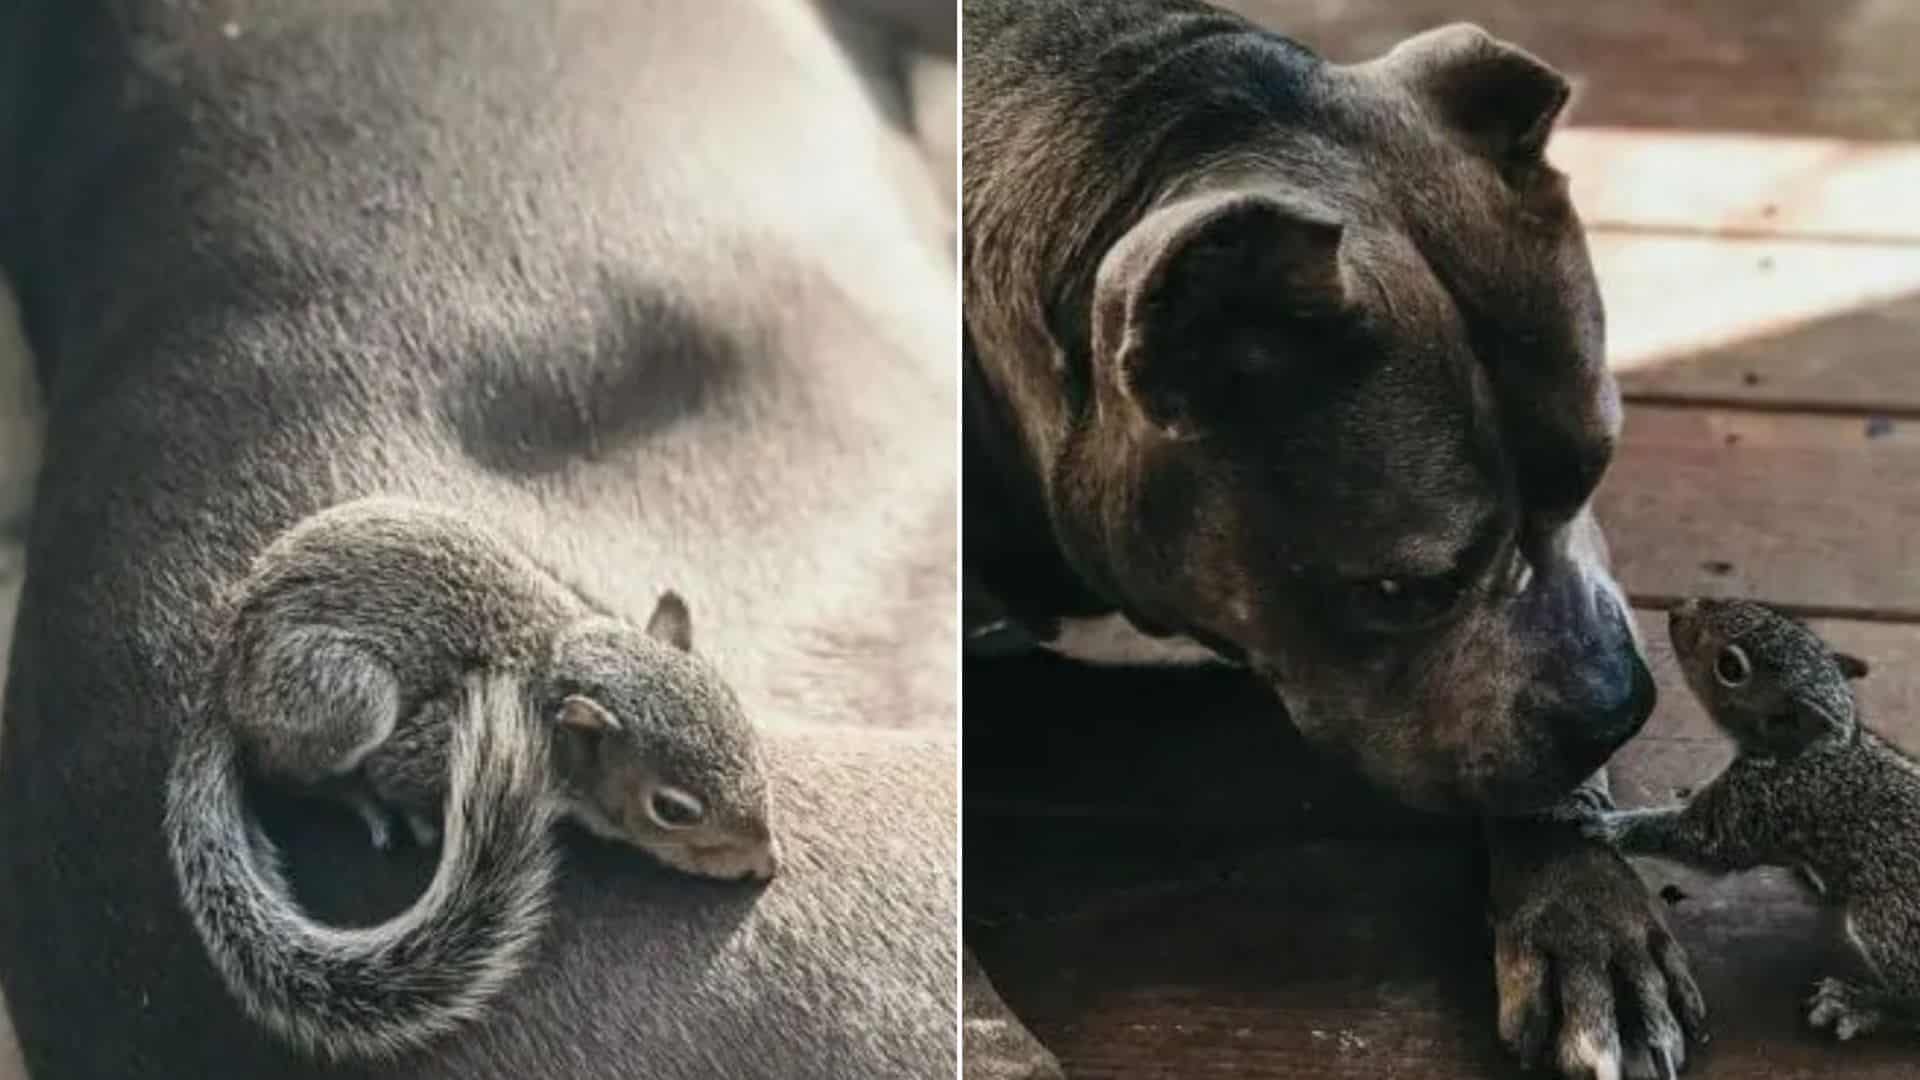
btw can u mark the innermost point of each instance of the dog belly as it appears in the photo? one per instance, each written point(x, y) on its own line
point(339, 330)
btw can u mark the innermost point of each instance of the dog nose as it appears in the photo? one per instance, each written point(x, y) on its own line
point(1610, 716)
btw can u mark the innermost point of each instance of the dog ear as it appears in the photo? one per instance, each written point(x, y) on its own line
point(1197, 270)
point(1852, 666)
point(671, 622)
point(1501, 97)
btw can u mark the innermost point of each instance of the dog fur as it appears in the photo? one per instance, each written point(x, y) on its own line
point(1304, 362)
point(657, 288)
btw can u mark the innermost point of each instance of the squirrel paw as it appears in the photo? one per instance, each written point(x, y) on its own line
point(425, 830)
point(376, 818)
point(379, 818)
point(1844, 1009)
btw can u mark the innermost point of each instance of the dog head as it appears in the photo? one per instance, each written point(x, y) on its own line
point(1349, 406)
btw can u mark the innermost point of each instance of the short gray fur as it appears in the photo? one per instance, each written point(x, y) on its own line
point(1810, 788)
point(558, 264)
point(354, 626)
point(1304, 361)
point(382, 990)
point(349, 661)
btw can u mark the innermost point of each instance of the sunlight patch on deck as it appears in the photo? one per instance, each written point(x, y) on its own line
point(1706, 239)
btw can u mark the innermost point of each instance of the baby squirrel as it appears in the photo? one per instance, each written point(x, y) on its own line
point(1809, 789)
point(405, 658)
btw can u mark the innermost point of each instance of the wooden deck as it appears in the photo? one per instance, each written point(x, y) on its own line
point(1162, 889)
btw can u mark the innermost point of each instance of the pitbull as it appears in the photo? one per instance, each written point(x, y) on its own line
point(661, 288)
point(1299, 366)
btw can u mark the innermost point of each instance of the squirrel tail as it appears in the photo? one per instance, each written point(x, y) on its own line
point(377, 991)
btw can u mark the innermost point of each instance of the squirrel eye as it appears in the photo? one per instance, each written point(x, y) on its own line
point(672, 808)
point(1732, 668)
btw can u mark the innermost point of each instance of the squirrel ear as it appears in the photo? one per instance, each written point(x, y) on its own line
point(671, 622)
point(1851, 666)
point(586, 714)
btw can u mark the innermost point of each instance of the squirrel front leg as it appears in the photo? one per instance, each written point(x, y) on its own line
point(310, 703)
point(1694, 832)
point(408, 773)
point(1658, 830)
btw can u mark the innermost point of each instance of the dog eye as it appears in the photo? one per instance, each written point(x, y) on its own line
point(1403, 603)
point(1732, 668)
point(672, 808)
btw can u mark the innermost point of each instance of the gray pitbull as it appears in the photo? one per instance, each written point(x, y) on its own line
point(659, 287)
point(1300, 366)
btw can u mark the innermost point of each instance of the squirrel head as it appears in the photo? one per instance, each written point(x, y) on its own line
point(654, 749)
point(1766, 679)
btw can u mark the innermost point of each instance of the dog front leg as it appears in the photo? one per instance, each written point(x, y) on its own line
point(996, 1044)
point(1590, 980)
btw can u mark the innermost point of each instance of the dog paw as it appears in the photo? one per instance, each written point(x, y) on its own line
point(1590, 981)
point(1843, 1009)
point(997, 1046)
point(1000, 1049)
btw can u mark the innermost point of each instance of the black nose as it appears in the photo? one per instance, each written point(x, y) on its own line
point(1613, 711)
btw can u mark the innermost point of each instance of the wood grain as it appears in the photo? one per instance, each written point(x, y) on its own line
point(1781, 320)
point(1335, 960)
point(1739, 183)
point(1810, 511)
point(1164, 883)
point(1841, 69)
point(1862, 360)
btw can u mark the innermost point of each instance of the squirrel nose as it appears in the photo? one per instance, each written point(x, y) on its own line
point(764, 863)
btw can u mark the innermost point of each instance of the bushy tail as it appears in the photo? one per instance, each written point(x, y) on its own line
point(380, 990)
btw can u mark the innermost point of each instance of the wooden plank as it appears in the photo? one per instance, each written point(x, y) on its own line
point(1309, 964)
point(1813, 512)
point(1741, 184)
point(1842, 70)
point(1863, 360)
point(1138, 945)
point(1738, 316)
point(1136, 887)
point(1052, 739)
point(1334, 960)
